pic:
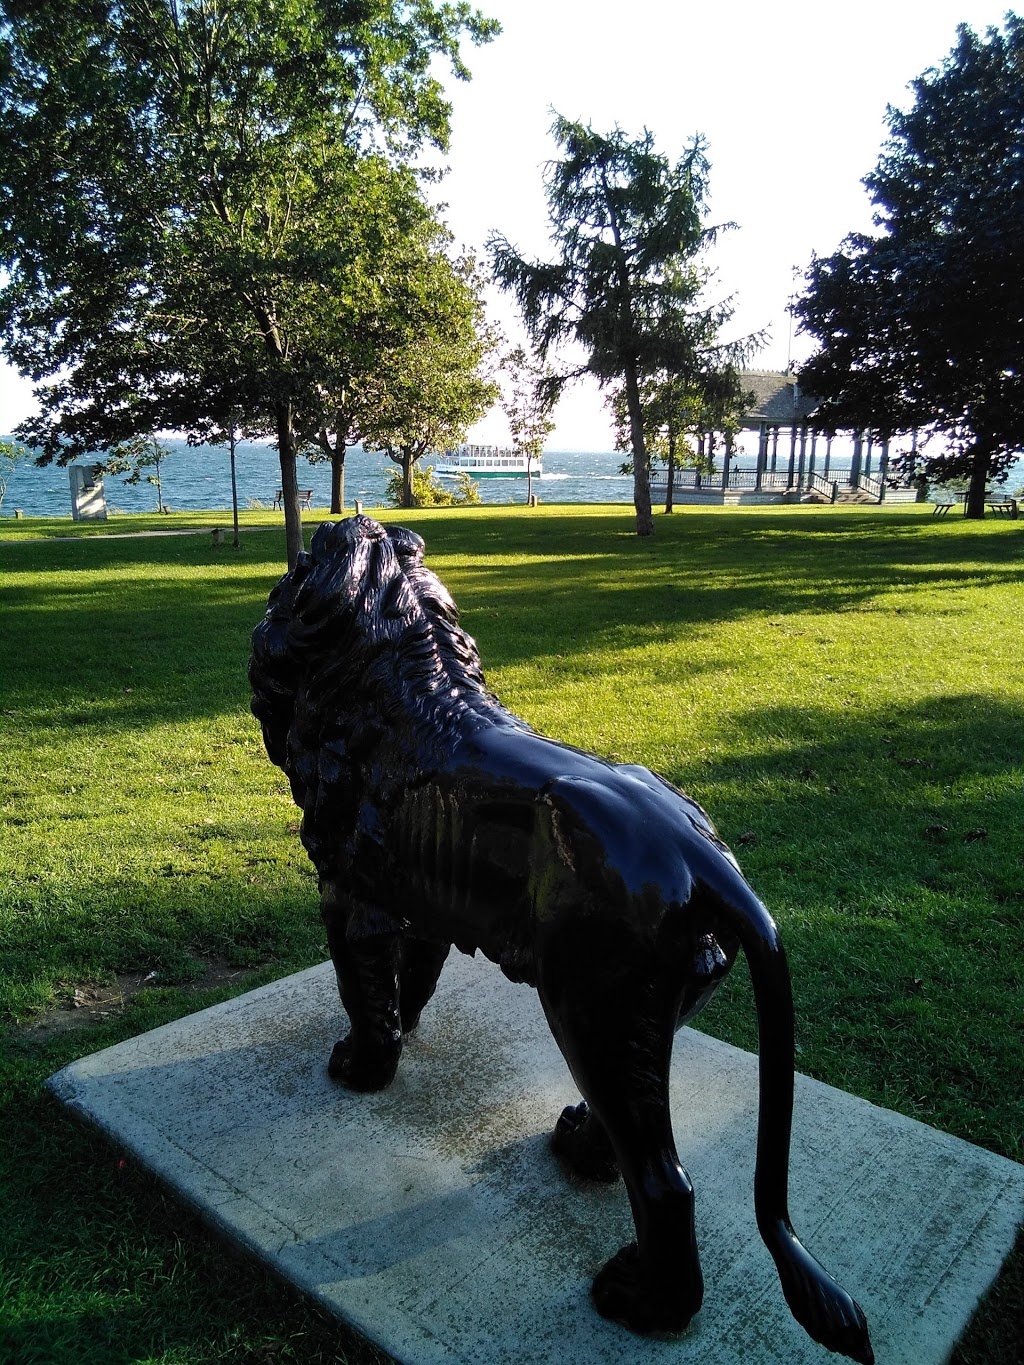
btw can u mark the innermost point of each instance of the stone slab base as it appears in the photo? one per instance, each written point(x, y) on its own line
point(433, 1218)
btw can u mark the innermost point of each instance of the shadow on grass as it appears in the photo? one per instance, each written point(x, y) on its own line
point(886, 840)
point(174, 611)
point(101, 1266)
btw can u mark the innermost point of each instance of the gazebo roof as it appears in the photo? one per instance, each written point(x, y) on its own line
point(778, 398)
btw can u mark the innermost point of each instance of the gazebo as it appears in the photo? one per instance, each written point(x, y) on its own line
point(794, 459)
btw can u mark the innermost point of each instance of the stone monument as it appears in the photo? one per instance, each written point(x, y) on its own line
point(87, 499)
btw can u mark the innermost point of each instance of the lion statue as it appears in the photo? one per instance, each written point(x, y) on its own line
point(435, 817)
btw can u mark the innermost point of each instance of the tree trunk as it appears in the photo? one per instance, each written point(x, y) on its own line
point(671, 481)
point(979, 480)
point(641, 467)
point(408, 499)
point(234, 488)
point(338, 477)
point(289, 480)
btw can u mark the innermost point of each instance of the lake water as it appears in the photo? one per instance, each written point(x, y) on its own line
point(198, 477)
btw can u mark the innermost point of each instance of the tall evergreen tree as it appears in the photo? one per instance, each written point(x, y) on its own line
point(921, 325)
point(178, 177)
point(630, 229)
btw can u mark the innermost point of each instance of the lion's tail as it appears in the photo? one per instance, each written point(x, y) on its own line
point(821, 1306)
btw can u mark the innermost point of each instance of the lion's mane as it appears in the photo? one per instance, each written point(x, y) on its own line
point(358, 635)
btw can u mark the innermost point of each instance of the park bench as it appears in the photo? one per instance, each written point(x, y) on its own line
point(941, 508)
point(305, 499)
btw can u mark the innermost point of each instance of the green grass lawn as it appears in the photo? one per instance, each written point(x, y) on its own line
point(843, 689)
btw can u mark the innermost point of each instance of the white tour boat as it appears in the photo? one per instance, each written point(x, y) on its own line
point(486, 462)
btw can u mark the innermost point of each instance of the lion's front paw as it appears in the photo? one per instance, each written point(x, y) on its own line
point(583, 1145)
point(623, 1291)
point(360, 1069)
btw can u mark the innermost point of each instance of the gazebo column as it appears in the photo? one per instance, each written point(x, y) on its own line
point(828, 455)
point(791, 473)
point(814, 451)
point(762, 456)
point(775, 447)
point(867, 456)
point(855, 463)
point(803, 456)
point(726, 460)
point(883, 469)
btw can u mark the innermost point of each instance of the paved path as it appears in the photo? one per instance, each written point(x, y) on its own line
point(132, 535)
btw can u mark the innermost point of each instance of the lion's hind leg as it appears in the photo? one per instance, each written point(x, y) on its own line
point(616, 1034)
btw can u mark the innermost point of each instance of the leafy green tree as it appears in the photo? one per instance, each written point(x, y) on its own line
point(683, 414)
point(12, 453)
point(180, 181)
point(434, 386)
point(528, 401)
point(390, 299)
point(920, 324)
point(331, 439)
point(132, 458)
point(629, 229)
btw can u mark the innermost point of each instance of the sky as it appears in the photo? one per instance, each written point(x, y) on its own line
point(791, 99)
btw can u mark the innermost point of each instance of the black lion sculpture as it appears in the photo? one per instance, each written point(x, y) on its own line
point(434, 816)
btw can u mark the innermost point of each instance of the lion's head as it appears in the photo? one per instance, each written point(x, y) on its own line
point(359, 627)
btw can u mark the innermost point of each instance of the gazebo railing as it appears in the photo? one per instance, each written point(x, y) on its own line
point(738, 478)
point(829, 485)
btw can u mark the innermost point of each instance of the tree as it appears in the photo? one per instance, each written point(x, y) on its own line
point(684, 405)
point(528, 402)
point(433, 387)
point(629, 229)
point(12, 453)
point(921, 325)
point(332, 438)
point(682, 413)
point(178, 178)
point(132, 458)
point(389, 300)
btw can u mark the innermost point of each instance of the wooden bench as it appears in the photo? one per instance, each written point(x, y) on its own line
point(941, 508)
point(305, 499)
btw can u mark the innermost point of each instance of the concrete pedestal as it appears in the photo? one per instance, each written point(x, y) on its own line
point(433, 1218)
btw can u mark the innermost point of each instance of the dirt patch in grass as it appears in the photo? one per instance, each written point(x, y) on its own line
point(91, 1003)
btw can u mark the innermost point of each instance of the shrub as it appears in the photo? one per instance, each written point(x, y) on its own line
point(427, 492)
